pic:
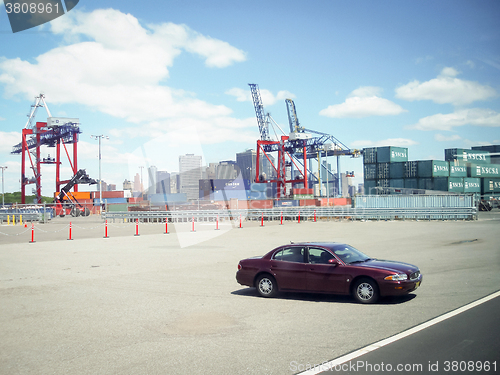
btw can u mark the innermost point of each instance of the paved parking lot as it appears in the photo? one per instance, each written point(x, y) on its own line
point(160, 304)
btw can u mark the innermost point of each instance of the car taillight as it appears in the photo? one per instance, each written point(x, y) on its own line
point(239, 266)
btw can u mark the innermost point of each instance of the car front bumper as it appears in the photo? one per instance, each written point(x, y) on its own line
point(398, 288)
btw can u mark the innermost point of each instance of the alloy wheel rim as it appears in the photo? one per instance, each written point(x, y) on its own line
point(265, 286)
point(365, 291)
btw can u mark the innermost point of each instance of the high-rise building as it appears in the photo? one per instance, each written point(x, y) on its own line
point(212, 171)
point(190, 175)
point(174, 183)
point(227, 170)
point(246, 162)
point(162, 182)
point(128, 185)
point(346, 182)
point(137, 183)
point(152, 179)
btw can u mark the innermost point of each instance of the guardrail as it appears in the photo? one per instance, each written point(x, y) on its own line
point(21, 217)
point(293, 213)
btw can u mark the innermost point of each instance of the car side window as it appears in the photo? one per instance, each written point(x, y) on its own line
point(291, 254)
point(319, 256)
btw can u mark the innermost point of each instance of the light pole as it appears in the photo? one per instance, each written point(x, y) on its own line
point(3, 192)
point(100, 181)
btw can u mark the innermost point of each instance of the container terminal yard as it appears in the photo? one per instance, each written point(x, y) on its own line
point(287, 171)
point(112, 282)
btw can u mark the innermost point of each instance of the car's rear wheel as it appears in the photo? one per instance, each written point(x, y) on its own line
point(365, 291)
point(266, 285)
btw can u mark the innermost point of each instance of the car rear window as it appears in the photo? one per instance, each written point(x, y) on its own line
point(290, 254)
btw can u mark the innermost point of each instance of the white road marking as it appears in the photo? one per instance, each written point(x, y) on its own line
point(399, 336)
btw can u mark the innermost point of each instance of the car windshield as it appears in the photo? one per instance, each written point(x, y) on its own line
point(349, 254)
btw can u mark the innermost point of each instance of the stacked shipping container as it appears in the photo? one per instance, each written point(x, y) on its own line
point(463, 171)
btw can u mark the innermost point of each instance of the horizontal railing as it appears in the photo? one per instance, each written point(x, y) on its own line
point(21, 217)
point(293, 213)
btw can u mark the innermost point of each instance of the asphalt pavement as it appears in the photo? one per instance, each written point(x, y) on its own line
point(169, 303)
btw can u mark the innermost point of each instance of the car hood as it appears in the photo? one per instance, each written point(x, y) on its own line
point(389, 265)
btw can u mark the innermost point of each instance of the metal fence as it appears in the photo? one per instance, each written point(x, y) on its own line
point(370, 207)
point(26, 213)
point(298, 213)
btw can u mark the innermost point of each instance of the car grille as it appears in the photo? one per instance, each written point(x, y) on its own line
point(415, 275)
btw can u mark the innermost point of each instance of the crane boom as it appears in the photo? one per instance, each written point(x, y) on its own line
point(259, 111)
point(293, 120)
point(39, 102)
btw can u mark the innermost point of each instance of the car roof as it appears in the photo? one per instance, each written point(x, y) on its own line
point(317, 243)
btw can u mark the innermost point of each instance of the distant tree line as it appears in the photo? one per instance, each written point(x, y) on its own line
point(16, 198)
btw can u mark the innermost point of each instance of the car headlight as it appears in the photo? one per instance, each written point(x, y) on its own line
point(398, 277)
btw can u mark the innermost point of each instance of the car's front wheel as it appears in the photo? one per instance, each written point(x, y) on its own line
point(266, 285)
point(365, 291)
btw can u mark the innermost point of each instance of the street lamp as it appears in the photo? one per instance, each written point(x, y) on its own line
point(3, 192)
point(100, 181)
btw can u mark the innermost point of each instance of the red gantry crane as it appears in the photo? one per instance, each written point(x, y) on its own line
point(293, 149)
point(56, 132)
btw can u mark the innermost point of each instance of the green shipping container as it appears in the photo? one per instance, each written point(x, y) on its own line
point(383, 170)
point(490, 185)
point(472, 185)
point(467, 156)
point(391, 154)
point(411, 183)
point(397, 170)
point(370, 171)
point(411, 169)
point(433, 168)
point(398, 183)
point(370, 155)
point(370, 187)
point(483, 170)
point(384, 183)
point(426, 183)
point(453, 184)
point(458, 170)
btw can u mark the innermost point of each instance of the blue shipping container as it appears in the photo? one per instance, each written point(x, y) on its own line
point(110, 201)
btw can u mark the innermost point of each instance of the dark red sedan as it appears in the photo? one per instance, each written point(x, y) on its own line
point(332, 267)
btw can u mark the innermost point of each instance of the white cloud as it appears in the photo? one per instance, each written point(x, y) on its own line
point(7, 140)
point(398, 142)
point(473, 116)
point(444, 138)
point(117, 66)
point(363, 102)
point(446, 88)
point(268, 98)
point(449, 72)
point(240, 94)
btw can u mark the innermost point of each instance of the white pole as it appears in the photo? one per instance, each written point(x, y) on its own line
point(3, 191)
point(100, 179)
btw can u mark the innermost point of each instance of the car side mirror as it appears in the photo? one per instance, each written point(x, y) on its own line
point(333, 261)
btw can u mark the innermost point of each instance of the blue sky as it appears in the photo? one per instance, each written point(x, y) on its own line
point(172, 77)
